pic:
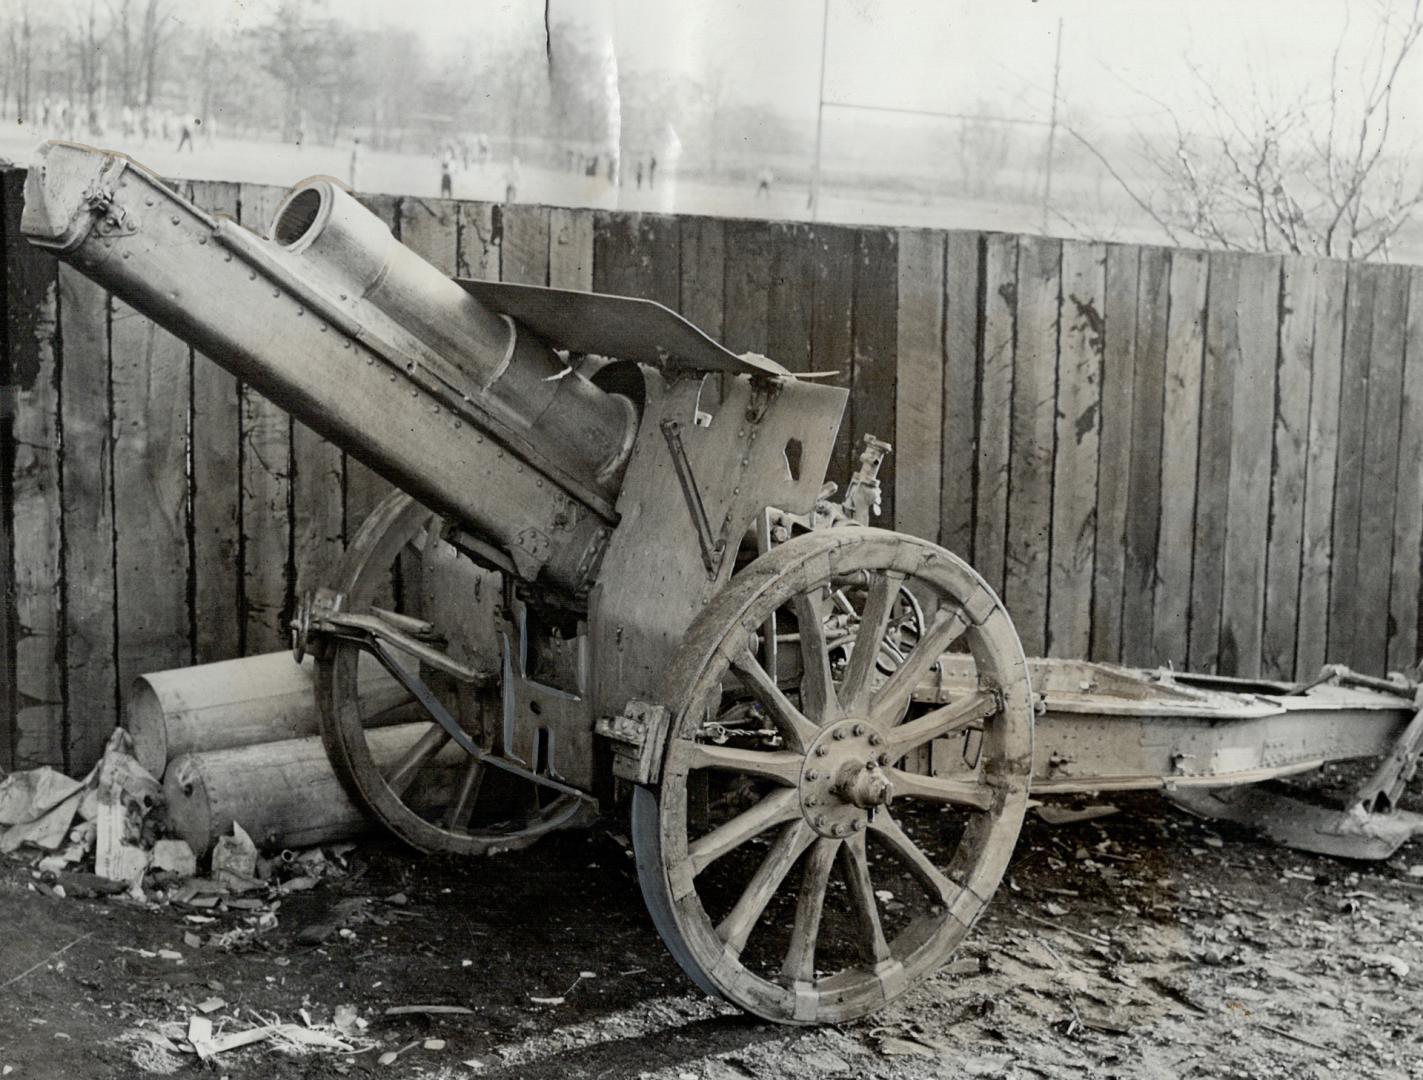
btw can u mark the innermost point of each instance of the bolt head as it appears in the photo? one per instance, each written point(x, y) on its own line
point(884, 759)
point(839, 830)
point(818, 821)
point(876, 738)
point(859, 729)
point(821, 751)
point(811, 800)
point(811, 774)
point(838, 733)
point(857, 824)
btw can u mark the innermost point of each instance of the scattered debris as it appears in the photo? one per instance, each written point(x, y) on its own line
point(428, 1010)
point(235, 855)
point(176, 857)
point(1054, 814)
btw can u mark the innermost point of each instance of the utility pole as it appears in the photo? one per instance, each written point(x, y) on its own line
point(819, 112)
point(1051, 129)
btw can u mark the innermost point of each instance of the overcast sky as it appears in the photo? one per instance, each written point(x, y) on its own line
point(955, 55)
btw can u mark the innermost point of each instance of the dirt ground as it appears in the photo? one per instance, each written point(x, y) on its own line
point(1144, 944)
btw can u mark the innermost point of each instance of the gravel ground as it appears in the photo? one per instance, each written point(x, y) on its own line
point(1144, 944)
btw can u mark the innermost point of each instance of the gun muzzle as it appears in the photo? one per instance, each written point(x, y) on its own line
point(356, 336)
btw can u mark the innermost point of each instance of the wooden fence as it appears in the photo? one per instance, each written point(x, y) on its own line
point(1157, 456)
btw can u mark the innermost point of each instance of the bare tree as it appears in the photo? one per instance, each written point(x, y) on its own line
point(1321, 173)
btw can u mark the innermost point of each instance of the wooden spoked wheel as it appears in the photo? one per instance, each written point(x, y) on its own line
point(427, 790)
point(793, 856)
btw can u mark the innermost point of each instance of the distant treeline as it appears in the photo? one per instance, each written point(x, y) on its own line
point(99, 67)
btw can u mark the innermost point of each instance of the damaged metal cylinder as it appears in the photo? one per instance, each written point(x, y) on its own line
point(360, 339)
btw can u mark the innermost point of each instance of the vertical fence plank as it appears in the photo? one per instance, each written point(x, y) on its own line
point(1248, 492)
point(89, 645)
point(638, 255)
point(748, 286)
point(570, 249)
point(1403, 598)
point(1180, 434)
point(150, 481)
point(1213, 459)
point(790, 303)
point(1326, 365)
point(1287, 485)
point(31, 313)
point(1344, 583)
point(523, 256)
point(872, 393)
point(831, 315)
point(1143, 508)
point(479, 242)
point(1079, 422)
point(430, 228)
point(9, 219)
point(957, 437)
point(996, 411)
point(1113, 472)
point(266, 487)
point(1380, 474)
point(1033, 431)
point(919, 385)
point(215, 480)
point(702, 295)
point(477, 254)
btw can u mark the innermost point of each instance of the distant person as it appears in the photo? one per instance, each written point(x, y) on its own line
point(591, 169)
point(447, 179)
point(638, 173)
point(612, 169)
point(355, 164)
point(651, 171)
point(763, 183)
point(481, 148)
point(46, 110)
point(511, 180)
point(186, 136)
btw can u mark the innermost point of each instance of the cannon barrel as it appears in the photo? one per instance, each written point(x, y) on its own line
point(356, 336)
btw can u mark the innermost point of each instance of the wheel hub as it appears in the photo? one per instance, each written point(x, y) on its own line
point(842, 781)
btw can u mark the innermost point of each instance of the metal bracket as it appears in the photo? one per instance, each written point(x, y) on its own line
point(638, 735)
point(712, 547)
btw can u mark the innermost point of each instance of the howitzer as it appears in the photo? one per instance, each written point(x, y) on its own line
point(612, 569)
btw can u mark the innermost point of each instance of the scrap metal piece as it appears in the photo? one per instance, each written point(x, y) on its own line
point(1288, 819)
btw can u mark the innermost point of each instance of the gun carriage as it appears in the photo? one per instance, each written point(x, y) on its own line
point(612, 573)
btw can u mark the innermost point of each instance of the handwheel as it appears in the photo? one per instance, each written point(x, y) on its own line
point(793, 863)
point(428, 790)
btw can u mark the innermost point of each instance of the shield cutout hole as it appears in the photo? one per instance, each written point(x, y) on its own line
point(793, 455)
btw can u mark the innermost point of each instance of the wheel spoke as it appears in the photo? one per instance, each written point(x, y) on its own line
point(855, 863)
point(783, 766)
point(817, 688)
point(463, 806)
point(799, 965)
point(913, 857)
point(777, 808)
point(893, 698)
point(794, 726)
point(966, 793)
point(736, 928)
point(942, 721)
point(405, 770)
point(855, 691)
